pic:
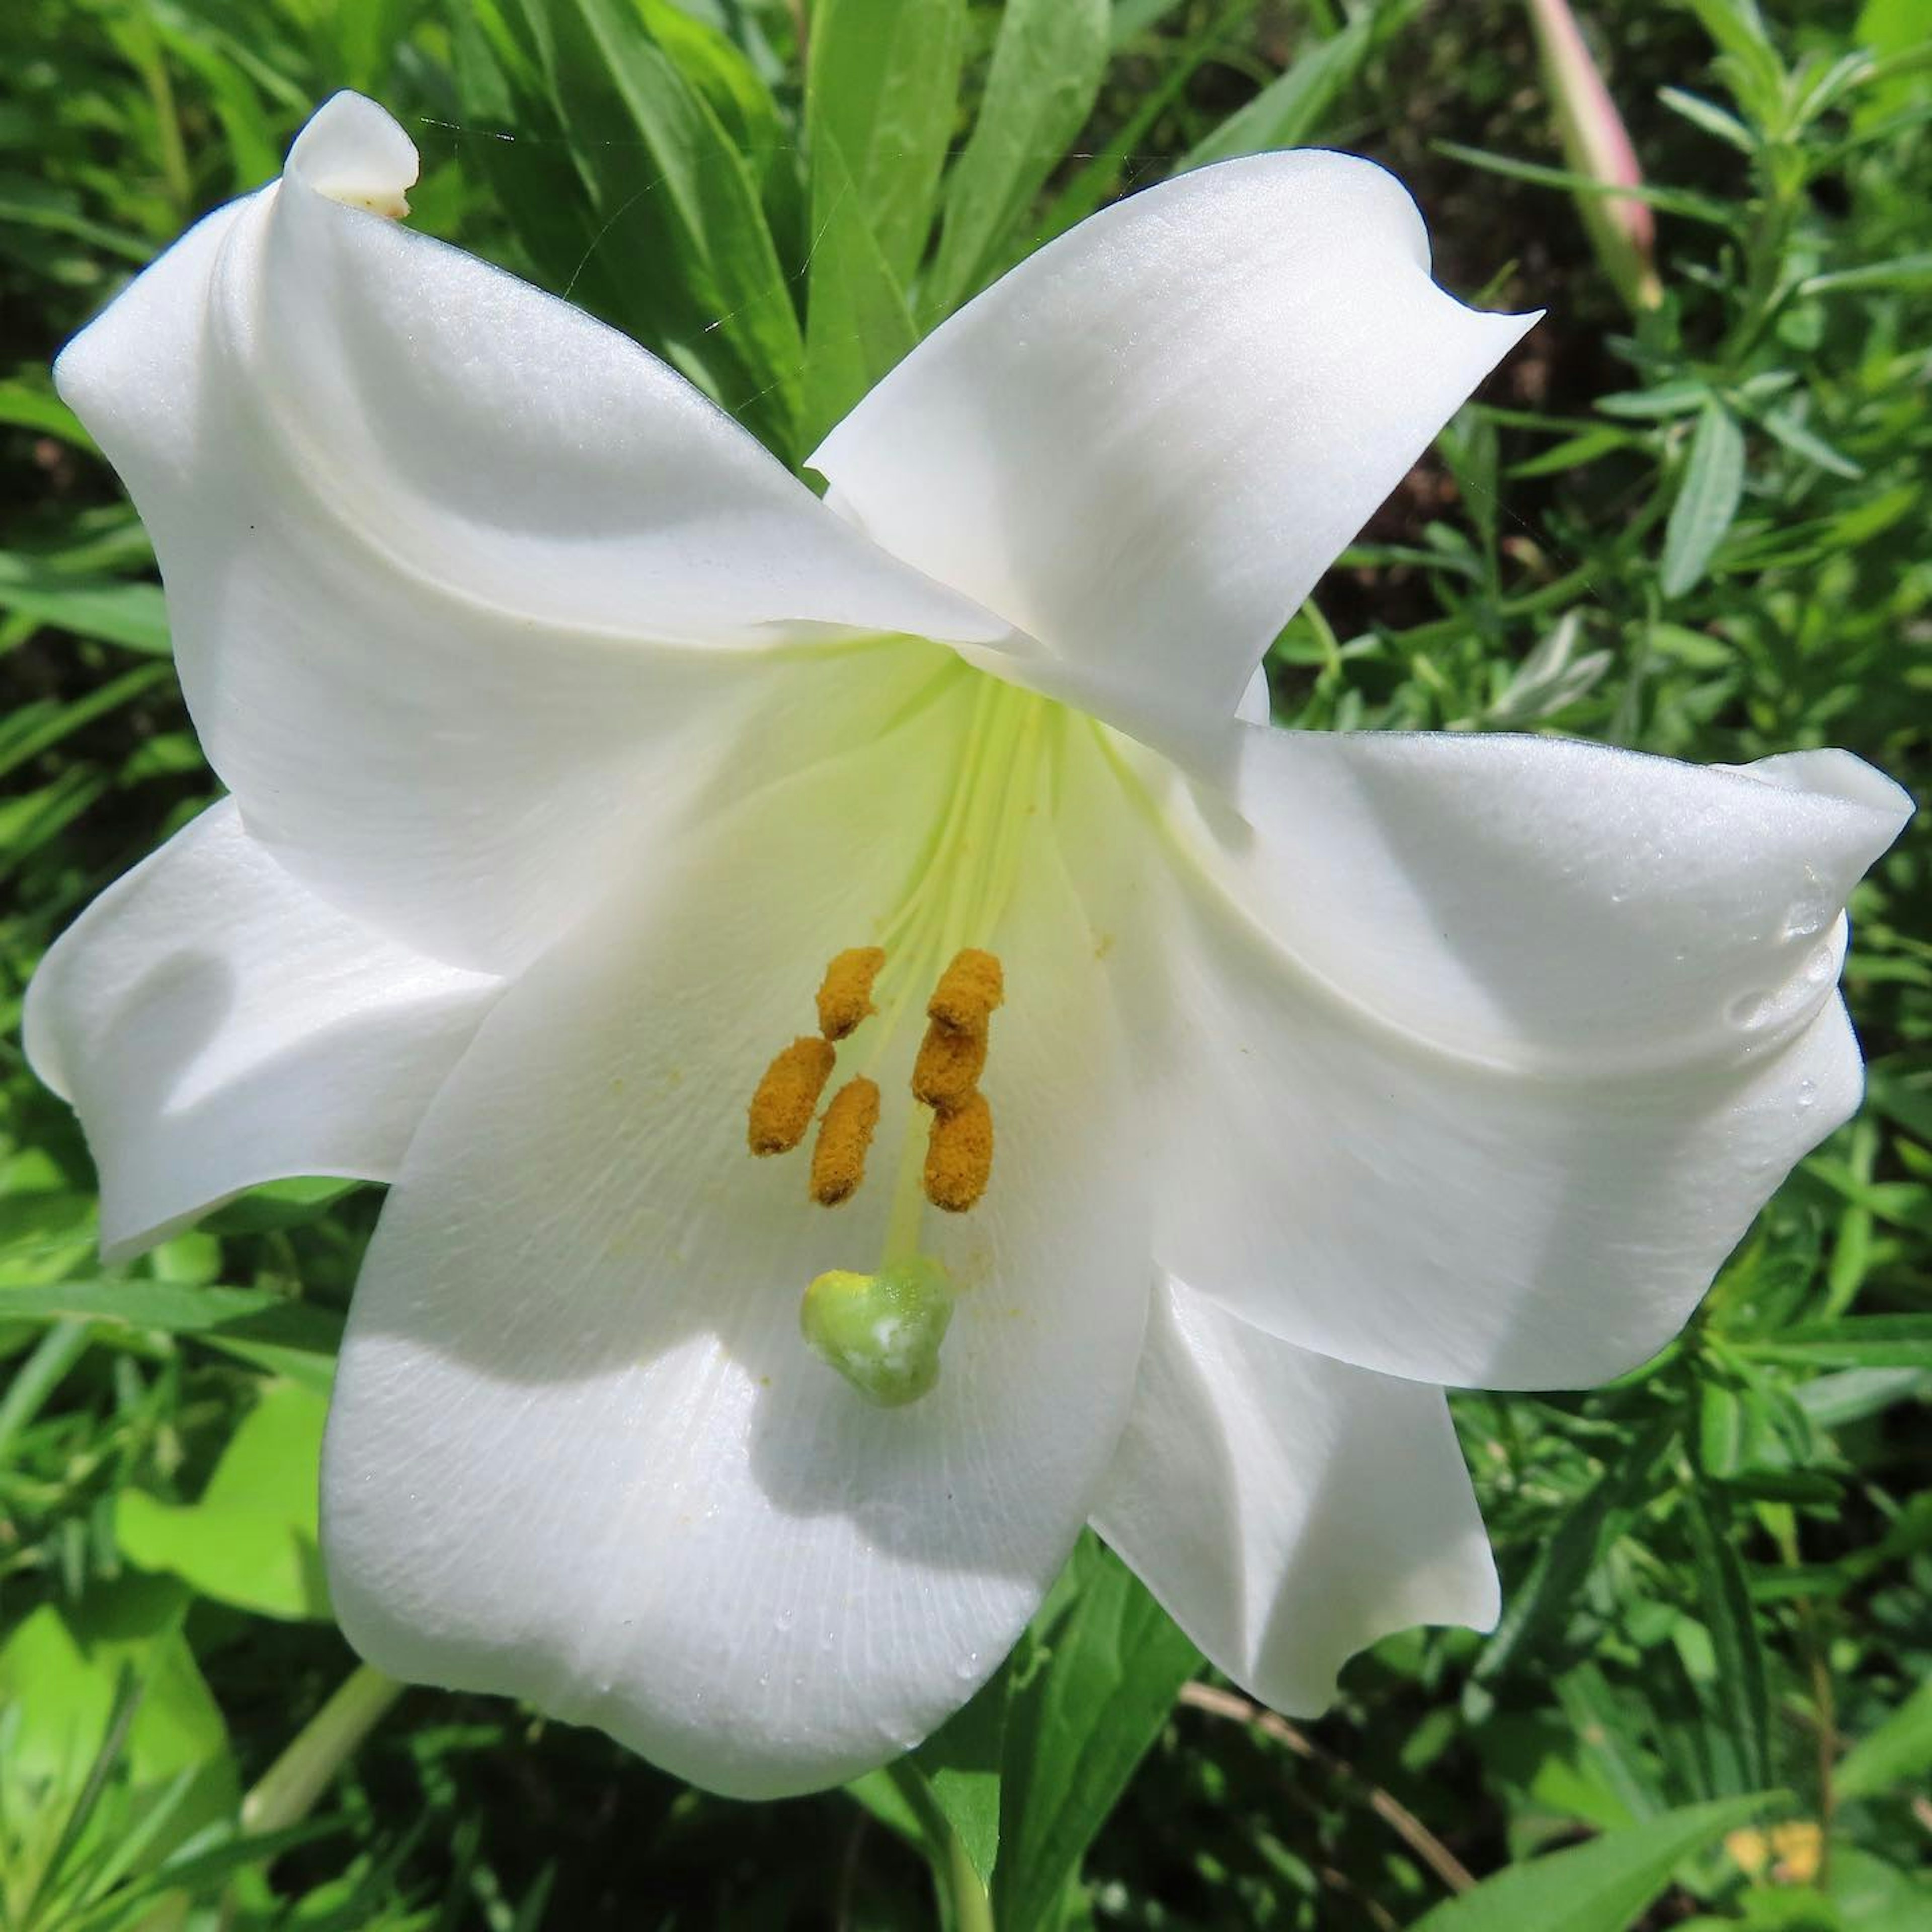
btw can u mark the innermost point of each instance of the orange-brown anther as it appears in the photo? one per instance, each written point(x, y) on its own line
point(968, 990)
point(845, 994)
point(838, 1154)
point(787, 1097)
point(949, 1066)
point(959, 1155)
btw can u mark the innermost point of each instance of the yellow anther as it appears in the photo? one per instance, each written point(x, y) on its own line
point(959, 1154)
point(948, 1067)
point(787, 1097)
point(838, 1154)
point(845, 994)
point(968, 990)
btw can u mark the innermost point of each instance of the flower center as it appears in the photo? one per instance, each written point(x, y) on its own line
point(930, 949)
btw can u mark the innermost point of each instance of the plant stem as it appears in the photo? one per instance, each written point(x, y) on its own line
point(962, 1891)
point(289, 1788)
point(972, 1910)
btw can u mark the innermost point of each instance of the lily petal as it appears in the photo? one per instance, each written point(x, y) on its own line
point(579, 1452)
point(420, 522)
point(1288, 1510)
point(1485, 1051)
point(1143, 445)
point(216, 1025)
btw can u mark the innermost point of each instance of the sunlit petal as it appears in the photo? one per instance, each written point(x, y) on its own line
point(1143, 445)
point(580, 1451)
point(216, 1025)
point(456, 574)
point(1482, 1052)
point(1287, 1509)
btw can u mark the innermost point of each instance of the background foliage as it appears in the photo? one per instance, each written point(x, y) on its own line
point(1697, 529)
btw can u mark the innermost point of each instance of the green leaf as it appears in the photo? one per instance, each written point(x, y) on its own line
point(1046, 69)
point(1855, 1341)
point(1707, 499)
point(701, 186)
point(62, 1674)
point(857, 323)
point(881, 91)
point(23, 406)
point(250, 1541)
point(632, 196)
point(1290, 108)
point(178, 1308)
point(132, 615)
point(1899, 1749)
point(1901, 272)
point(1600, 1887)
point(1670, 201)
point(1079, 1722)
point(1537, 1607)
point(1803, 441)
point(1739, 1684)
point(1712, 119)
point(961, 1762)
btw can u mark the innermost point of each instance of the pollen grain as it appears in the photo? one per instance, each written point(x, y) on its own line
point(838, 1154)
point(959, 1154)
point(845, 993)
point(787, 1097)
point(968, 990)
point(948, 1067)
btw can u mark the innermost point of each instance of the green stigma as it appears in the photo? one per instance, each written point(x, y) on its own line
point(882, 1331)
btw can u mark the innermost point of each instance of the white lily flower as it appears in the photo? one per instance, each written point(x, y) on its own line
point(570, 740)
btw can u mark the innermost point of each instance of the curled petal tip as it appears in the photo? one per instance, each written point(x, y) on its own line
point(355, 152)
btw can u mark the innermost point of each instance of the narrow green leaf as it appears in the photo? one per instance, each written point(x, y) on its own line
point(857, 324)
point(881, 91)
point(1901, 272)
point(1740, 1684)
point(113, 610)
point(1807, 443)
point(632, 197)
point(1715, 121)
point(1856, 1342)
point(1672, 201)
point(1899, 1749)
point(1290, 108)
point(23, 406)
point(701, 186)
point(1077, 1726)
point(1046, 68)
point(1535, 1607)
point(36, 728)
point(179, 1308)
point(1600, 1887)
point(1707, 499)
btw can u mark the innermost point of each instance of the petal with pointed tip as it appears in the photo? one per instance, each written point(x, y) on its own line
point(422, 524)
point(1287, 1509)
point(1143, 445)
point(1476, 1055)
point(216, 1025)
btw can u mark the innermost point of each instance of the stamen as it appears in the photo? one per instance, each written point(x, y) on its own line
point(845, 994)
point(787, 1097)
point(948, 1067)
point(968, 990)
point(959, 1154)
point(838, 1154)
